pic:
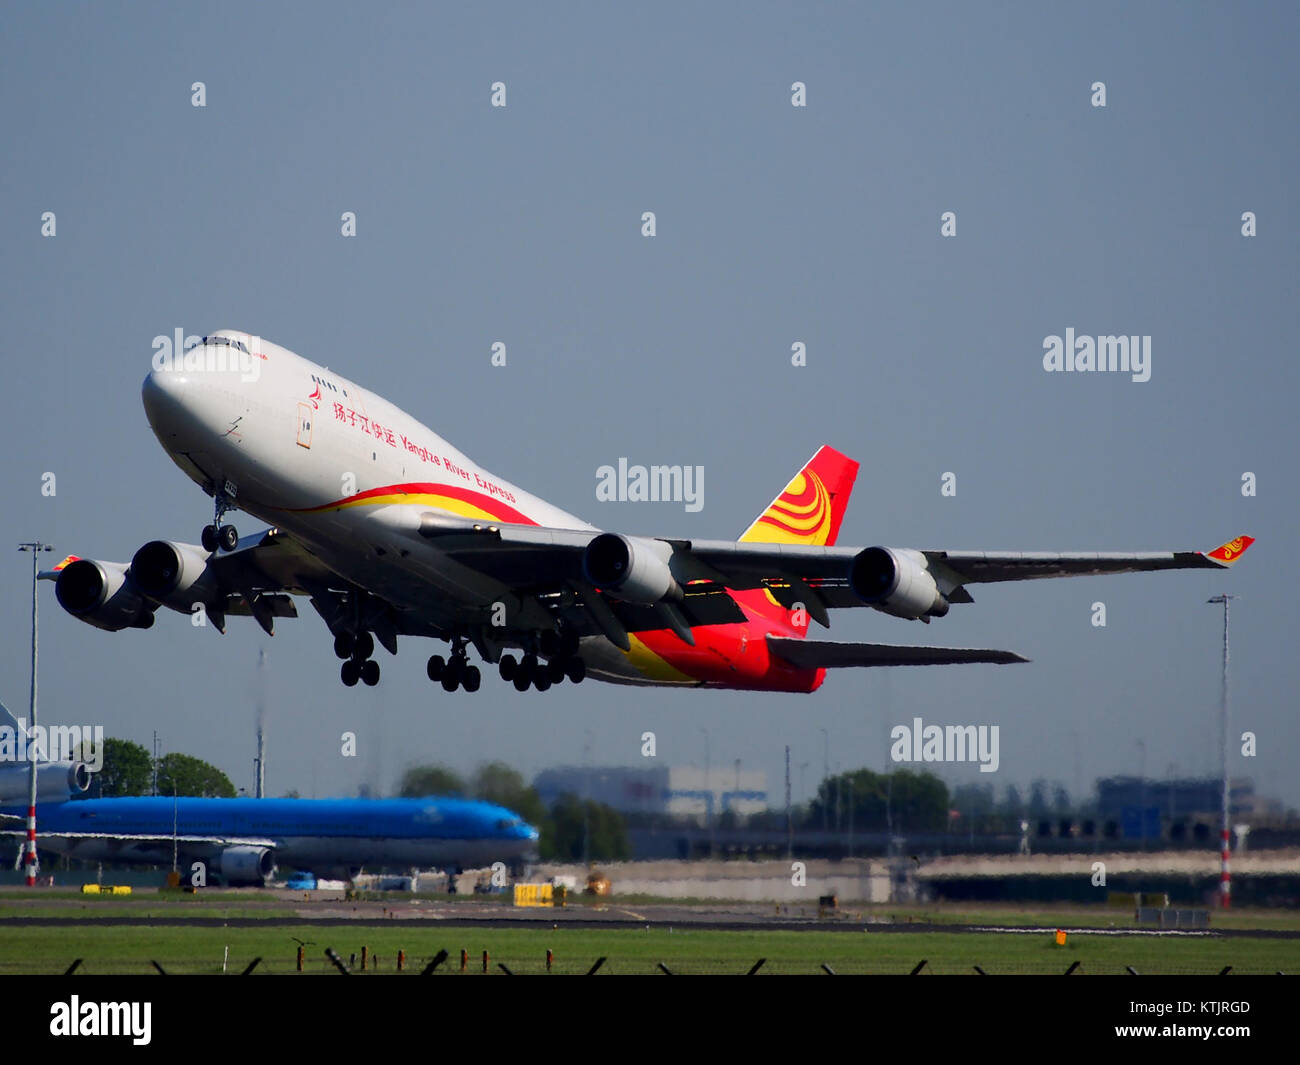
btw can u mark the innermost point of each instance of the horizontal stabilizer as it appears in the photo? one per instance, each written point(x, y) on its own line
point(826, 654)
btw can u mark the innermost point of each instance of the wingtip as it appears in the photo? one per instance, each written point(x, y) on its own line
point(1227, 554)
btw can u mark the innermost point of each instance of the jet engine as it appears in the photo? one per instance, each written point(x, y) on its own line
point(631, 568)
point(897, 581)
point(176, 575)
point(55, 782)
point(246, 865)
point(102, 594)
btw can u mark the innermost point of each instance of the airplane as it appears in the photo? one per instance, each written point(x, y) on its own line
point(57, 780)
point(241, 841)
point(391, 531)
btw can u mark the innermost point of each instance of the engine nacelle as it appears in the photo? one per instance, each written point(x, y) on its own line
point(103, 595)
point(177, 575)
point(55, 782)
point(898, 582)
point(246, 865)
point(631, 568)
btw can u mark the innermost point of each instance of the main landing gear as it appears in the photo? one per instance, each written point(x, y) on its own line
point(529, 671)
point(456, 672)
point(356, 652)
point(217, 535)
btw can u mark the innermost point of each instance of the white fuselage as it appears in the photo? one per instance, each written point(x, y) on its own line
point(345, 472)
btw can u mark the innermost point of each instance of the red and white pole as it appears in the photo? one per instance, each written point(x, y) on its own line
point(35, 547)
point(31, 846)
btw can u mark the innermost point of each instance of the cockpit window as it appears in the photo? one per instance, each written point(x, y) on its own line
point(507, 822)
point(229, 342)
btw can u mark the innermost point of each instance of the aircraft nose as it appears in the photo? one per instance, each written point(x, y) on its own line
point(163, 394)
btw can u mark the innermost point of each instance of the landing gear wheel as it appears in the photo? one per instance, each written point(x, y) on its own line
point(521, 682)
point(576, 669)
point(542, 682)
point(555, 670)
point(435, 667)
point(365, 646)
point(568, 643)
point(228, 536)
point(472, 679)
point(350, 673)
point(451, 675)
point(507, 667)
point(209, 538)
point(370, 672)
point(343, 645)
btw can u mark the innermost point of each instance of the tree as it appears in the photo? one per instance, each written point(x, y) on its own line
point(420, 781)
point(127, 770)
point(496, 782)
point(183, 774)
point(913, 801)
point(603, 827)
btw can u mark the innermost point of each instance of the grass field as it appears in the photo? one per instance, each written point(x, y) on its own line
point(130, 949)
point(683, 950)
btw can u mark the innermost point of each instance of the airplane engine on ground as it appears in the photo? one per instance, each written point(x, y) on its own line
point(177, 575)
point(55, 782)
point(896, 582)
point(102, 594)
point(246, 865)
point(631, 568)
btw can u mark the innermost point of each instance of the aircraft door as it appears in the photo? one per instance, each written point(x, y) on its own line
point(304, 424)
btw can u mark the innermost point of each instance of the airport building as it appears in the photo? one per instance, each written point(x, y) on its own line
point(685, 792)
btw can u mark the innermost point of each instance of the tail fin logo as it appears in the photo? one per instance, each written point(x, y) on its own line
point(802, 514)
point(1232, 550)
point(810, 509)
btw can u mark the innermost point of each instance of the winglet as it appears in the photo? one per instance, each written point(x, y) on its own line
point(52, 574)
point(1226, 554)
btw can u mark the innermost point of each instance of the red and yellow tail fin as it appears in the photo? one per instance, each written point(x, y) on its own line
point(1227, 554)
point(811, 508)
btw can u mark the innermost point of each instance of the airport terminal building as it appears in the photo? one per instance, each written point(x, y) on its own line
point(685, 792)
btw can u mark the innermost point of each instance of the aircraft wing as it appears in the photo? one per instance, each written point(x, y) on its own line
point(825, 654)
point(128, 839)
point(539, 559)
point(257, 579)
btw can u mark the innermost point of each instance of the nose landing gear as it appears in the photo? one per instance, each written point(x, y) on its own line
point(217, 535)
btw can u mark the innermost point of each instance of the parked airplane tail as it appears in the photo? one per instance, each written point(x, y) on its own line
point(811, 508)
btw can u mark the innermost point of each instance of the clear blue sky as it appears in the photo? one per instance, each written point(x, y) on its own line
point(775, 225)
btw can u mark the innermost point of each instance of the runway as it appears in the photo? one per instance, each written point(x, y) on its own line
point(438, 914)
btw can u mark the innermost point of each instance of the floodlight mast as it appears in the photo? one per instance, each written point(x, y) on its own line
point(35, 547)
point(1225, 863)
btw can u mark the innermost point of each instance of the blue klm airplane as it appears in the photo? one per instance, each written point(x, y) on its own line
point(241, 841)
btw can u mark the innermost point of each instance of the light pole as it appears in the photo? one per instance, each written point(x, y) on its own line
point(586, 803)
point(826, 778)
point(708, 787)
point(1225, 871)
point(1142, 791)
point(35, 547)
